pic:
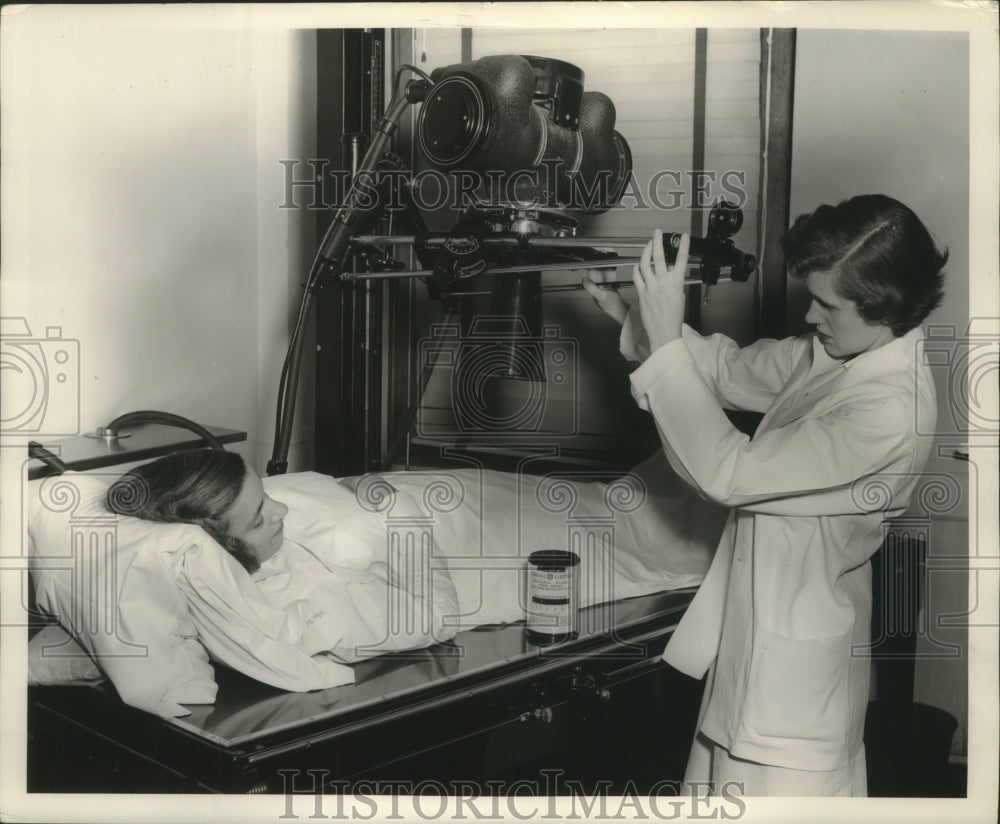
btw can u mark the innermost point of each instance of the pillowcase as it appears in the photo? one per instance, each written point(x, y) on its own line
point(55, 658)
point(106, 578)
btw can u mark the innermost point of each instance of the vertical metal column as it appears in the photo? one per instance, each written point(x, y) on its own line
point(408, 309)
point(777, 86)
point(370, 108)
point(692, 314)
point(350, 82)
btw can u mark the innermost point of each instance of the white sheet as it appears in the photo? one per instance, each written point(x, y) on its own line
point(408, 559)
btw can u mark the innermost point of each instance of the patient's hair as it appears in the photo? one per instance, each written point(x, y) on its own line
point(196, 486)
point(884, 259)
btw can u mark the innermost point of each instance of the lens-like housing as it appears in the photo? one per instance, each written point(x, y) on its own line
point(455, 120)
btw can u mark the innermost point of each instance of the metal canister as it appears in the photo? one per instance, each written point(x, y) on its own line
point(553, 596)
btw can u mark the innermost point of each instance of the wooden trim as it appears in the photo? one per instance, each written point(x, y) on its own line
point(777, 87)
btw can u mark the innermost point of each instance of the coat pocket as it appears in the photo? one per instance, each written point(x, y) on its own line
point(798, 692)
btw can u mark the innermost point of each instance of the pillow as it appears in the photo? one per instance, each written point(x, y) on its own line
point(55, 658)
point(107, 580)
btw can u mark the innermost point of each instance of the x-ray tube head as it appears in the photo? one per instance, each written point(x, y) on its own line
point(527, 128)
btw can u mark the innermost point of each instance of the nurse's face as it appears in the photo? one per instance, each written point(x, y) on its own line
point(257, 519)
point(839, 327)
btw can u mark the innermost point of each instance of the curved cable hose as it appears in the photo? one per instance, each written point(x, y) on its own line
point(50, 459)
point(337, 236)
point(169, 419)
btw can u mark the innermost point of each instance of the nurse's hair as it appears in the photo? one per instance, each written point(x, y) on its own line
point(195, 486)
point(883, 258)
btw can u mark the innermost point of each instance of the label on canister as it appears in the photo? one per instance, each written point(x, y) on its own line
point(553, 595)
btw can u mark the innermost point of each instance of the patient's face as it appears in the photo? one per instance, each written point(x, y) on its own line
point(257, 519)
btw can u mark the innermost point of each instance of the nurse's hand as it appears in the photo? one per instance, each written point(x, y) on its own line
point(607, 298)
point(661, 290)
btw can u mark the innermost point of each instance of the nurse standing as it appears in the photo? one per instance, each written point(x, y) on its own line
point(782, 619)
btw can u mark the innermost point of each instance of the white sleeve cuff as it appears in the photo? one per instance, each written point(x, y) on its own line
point(654, 367)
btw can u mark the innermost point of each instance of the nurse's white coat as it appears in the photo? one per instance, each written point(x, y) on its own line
point(785, 610)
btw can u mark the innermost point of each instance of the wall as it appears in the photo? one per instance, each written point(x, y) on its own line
point(286, 240)
point(888, 112)
point(140, 196)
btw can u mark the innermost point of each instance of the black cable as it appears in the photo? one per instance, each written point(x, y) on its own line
point(288, 382)
point(414, 69)
point(50, 459)
point(167, 418)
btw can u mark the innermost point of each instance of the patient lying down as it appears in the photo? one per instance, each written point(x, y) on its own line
point(338, 593)
point(319, 573)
